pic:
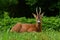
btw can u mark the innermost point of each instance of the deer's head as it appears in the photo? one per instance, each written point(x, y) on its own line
point(38, 15)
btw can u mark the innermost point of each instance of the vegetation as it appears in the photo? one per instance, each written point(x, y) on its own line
point(50, 7)
point(50, 25)
point(51, 29)
point(48, 35)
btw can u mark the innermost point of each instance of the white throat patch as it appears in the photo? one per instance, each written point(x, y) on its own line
point(38, 21)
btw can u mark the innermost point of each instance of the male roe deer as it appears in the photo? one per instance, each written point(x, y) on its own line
point(30, 27)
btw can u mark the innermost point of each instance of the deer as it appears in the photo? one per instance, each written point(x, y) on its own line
point(37, 27)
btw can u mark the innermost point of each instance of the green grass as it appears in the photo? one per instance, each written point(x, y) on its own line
point(46, 35)
point(50, 27)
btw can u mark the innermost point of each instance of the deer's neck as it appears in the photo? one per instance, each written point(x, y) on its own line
point(39, 26)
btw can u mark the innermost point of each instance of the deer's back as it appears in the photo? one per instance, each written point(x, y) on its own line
point(28, 28)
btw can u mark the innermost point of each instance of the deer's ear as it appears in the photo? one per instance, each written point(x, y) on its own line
point(42, 14)
point(34, 15)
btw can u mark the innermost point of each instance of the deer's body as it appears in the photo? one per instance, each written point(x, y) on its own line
point(29, 27)
point(25, 28)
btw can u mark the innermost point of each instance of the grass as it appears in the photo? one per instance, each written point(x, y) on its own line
point(48, 24)
point(46, 35)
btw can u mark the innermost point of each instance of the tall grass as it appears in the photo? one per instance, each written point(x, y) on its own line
point(46, 35)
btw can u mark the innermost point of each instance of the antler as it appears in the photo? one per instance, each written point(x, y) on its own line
point(36, 11)
point(39, 10)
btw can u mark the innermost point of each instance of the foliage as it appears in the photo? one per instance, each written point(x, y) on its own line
point(1, 14)
point(49, 23)
point(5, 3)
point(44, 4)
point(30, 2)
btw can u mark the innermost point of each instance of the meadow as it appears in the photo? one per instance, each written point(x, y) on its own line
point(50, 29)
point(45, 35)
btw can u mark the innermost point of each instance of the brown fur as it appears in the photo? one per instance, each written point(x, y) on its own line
point(24, 28)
